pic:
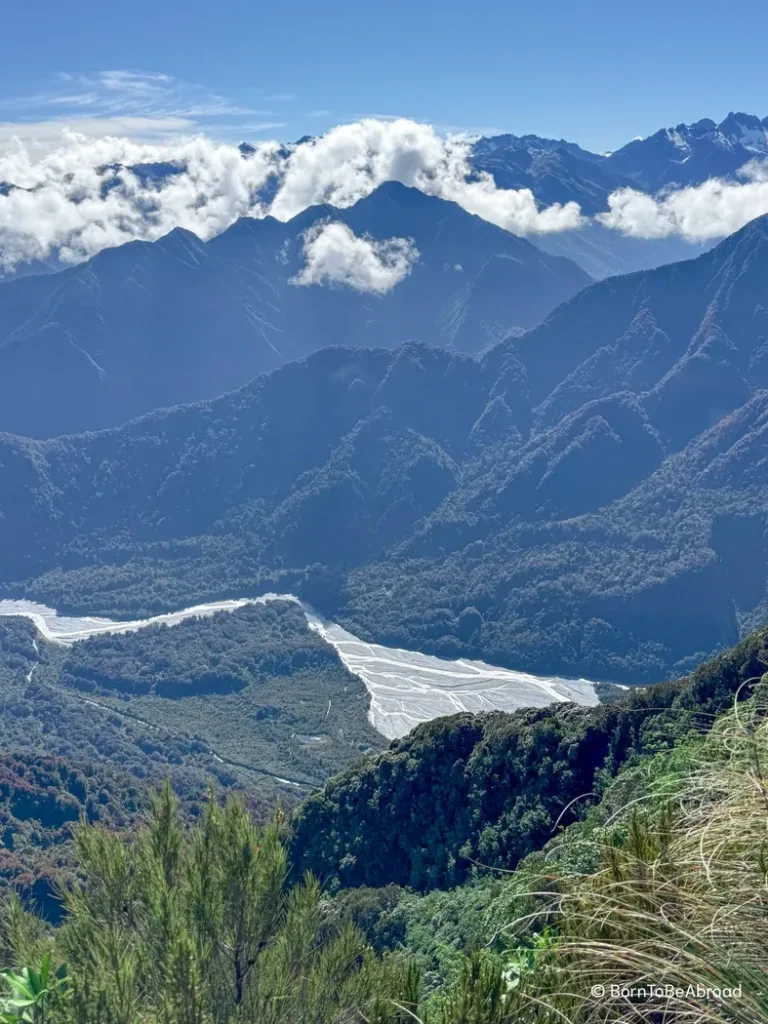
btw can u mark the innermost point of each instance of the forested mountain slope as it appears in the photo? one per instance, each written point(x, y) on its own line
point(588, 499)
point(148, 325)
point(677, 827)
point(252, 699)
point(484, 791)
point(251, 702)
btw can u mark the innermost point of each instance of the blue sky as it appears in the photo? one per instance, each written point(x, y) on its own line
point(595, 72)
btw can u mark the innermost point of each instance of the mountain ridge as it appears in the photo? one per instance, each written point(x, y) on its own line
point(584, 497)
point(688, 154)
point(153, 324)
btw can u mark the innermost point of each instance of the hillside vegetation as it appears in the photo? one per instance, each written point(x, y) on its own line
point(251, 694)
point(466, 793)
point(586, 500)
point(251, 701)
point(660, 887)
point(41, 798)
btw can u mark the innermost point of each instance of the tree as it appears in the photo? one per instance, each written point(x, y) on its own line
point(171, 927)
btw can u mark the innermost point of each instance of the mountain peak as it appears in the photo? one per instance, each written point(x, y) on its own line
point(690, 154)
point(706, 124)
point(403, 195)
point(180, 240)
point(736, 123)
point(756, 231)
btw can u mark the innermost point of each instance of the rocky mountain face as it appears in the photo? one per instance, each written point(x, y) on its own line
point(561, 172)
point(691, 153)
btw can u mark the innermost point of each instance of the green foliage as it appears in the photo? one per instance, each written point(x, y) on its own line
point(42, 715)
point(216, 654)
point(299, 717)
point(462, 794)
point(255, 685)
point(170, 925)
point(675, 907)
point(177, 927)
point(36, 996)
point(479, 997)
point(41, 798)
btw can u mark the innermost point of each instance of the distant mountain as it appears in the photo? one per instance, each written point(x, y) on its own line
point(691, 153)
point(153, 324)
point(603, 252)
point(556, 172)
point(587, 499)
point(562, 172)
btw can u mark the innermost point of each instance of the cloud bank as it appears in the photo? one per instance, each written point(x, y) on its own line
point(335, 255)
point(351, 160)
point(92, 191)
point(90, 194)
point(714, 209)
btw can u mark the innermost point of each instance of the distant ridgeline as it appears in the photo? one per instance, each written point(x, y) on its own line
point(587, 500)
point(152, 324)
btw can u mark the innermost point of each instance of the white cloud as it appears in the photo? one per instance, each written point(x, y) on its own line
point(713, 209)
point(351, 160)
point(134, 81)
point(335, 255)
point(125, 101)
point(42, 137)
point(78, 203)
point(81, 99)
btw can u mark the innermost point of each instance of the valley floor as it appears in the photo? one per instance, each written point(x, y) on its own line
point(405, 687)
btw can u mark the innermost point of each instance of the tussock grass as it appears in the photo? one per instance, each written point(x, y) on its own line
point(674, 923)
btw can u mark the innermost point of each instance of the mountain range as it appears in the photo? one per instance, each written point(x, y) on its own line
point(585, 499)
point(147, 325)
point(557, 171)
point(688, 154)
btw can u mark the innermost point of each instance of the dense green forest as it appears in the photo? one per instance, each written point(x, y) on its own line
point(41, 798)
point(588, 499)
point(164, 924)
point(466, 793)
point(43, 716)
point(116, 714)
point(253, 689)
point(216, 654)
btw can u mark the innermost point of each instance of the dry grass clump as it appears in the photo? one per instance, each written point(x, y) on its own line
point(674, 924)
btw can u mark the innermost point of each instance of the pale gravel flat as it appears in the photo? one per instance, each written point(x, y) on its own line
point(405, 687)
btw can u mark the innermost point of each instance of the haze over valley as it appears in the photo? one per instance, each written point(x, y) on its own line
point(383, 516)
